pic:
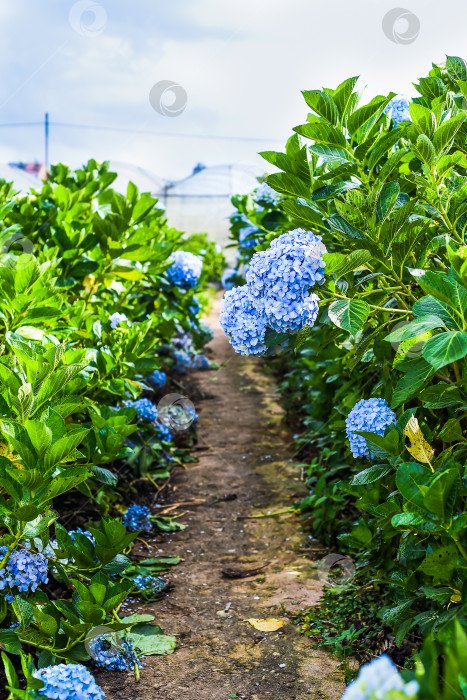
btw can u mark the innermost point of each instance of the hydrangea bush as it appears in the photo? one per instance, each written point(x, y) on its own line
point(85, 324)
point(381, 373)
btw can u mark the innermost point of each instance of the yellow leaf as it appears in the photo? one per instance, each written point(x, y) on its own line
point(419, 447)
point(89, 283)
point(270, 625)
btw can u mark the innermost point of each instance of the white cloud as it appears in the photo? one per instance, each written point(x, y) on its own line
point(242, 65)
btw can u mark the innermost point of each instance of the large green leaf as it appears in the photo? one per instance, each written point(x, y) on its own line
point(339, 264)
point(340, 224)
point(415, 328)
point(417, 374)
point(456, 68)
point(447, 131)
point(445, 348)
point(323, 133)
point(349, 314)
point(323, 104)
point(149, 640)
point(387, 199)
point(412, 480)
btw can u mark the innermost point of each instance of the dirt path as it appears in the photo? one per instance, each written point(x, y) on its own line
point(243, 457)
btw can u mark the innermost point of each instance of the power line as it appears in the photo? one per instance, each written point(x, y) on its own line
point(146, 132)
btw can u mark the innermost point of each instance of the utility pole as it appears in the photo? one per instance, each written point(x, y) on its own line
point(46, 134)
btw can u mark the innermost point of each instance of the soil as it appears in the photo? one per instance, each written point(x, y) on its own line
point(245, 469)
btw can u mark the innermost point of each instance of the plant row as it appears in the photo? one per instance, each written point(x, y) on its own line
point(352, 281)
point(100, 316)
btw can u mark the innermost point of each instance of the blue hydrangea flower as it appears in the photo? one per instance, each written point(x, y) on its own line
point(378, 678)
point(184, 341)
point(156, 584)
point(68, 682)
point(200, 362)
point(186, 269)
point(242, 323)
point(112, 653)
point(137, 519)
point(399, 107)
point(24, 572)
point(158, 378)
point(182, 361)
point(145, 409)
point(86, 533)
point(370, 415)
point(247, 238)
point(280, 277)
point(266, 195)
point(226, 279)
point(116, 319)
point(164, 432)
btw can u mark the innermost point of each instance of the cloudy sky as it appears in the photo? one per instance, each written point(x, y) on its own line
point(240, 66)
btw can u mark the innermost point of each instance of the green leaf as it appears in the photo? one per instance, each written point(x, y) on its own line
point(370, 475)
point(24, 611)
point(428, 305)
point(440, 563)
point(303, 335)
point(441, 496)
point(447, 131)
point(424, 149)
point(451, 431)
point(9, 641)
point(387, 199)
point(384, 143)
point(342, 95)
point(10, 673)
point(363, 115)
point(445, 348)
point(323, 104)
point(456, 68)
point(412, 380)
point(323, 133)
point(62, 447)
point(340, 224)
point(289, 184)
point(26, 513)
point(415, 328)
point(349, 314)
point(412, 481)
point(29, 478)
point(340, 265)
point(71, 404)
point(304, 214)
point(423, 118)
point(150, 641)
point(273, 338)
point(415, 521)
point(386, 444)
point(63, 483)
